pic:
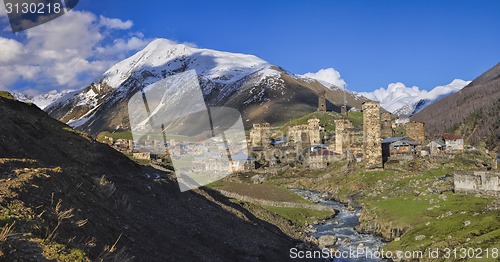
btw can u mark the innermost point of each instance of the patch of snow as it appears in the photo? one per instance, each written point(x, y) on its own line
point(162, 57)
point(43, 100)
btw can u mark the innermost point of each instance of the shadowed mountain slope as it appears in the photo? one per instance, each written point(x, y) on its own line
point(71, 196)
point(473, 112)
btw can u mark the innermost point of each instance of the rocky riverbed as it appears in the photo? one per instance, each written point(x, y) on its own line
point(338, 233)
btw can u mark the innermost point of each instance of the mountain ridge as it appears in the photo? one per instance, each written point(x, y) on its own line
point(473, 112)
point(259, 90)
point(42, 100)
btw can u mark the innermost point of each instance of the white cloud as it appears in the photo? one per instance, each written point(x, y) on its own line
point(66, 53)
point(73, 34)
point(327, 77)
point(10, 50)
point(398, 95)
point(115, 23)
point(122, 46)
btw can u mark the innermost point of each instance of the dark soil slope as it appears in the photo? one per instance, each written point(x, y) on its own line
point(71, 198)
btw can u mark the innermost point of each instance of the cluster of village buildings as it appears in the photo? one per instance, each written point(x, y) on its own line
point(208, 155)
point(374, 144)
point(381, 138)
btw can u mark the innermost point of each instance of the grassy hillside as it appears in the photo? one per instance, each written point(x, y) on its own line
point(412, 204)
point(115, 135)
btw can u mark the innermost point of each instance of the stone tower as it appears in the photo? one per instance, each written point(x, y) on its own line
point(314, 134)
point(342, 127)
point(343, 110)
point(371, 135)
point(386, 125)
point(322, 101)
point(494, 161)
point(416, 131)
point(260, 134)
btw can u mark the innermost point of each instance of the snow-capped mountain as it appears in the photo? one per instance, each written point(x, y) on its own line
point(43, 100)
point(401, 100)
point(260, 90)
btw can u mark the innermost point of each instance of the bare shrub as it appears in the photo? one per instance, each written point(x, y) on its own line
point(123, 204)
point(61, 216)
point(111, 254)
point(81, 223)
point(6, 232)
point(106, 188)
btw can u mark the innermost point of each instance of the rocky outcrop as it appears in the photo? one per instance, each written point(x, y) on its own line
point(326, 241)
point(369, 222)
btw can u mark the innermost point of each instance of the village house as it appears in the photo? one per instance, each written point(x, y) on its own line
point(241, 162)
point(142, 155)
point(398, 148)
point(321, 159)
point(212, 162)
point(454, 143)
point(477, 182)
point(436, 148)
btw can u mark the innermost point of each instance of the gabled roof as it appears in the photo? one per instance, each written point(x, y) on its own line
point(406, 142)
point(437, 142)
point(241, 157)
point(448, 136)
point(392, 139)
point(451, 137)
point(400, 140)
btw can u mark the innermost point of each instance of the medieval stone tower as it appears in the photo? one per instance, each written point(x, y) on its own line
point(314, 131)
point(322, 101)
point(303, 136)
point(416, 131)
point(342, 127)
point(371, 135)
point(260, 134)
point(386, 125)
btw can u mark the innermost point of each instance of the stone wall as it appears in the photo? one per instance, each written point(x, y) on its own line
point(275, 203)
point(477, 182)
point(371, 134)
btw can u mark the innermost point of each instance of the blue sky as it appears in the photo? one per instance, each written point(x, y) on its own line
point(371, 43)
